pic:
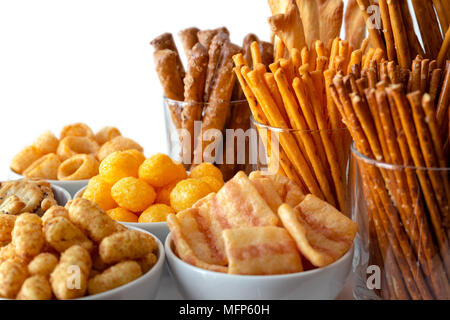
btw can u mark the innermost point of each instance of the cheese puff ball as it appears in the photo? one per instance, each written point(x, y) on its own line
point(61, 234)
point(115, 276)
point(35, 288)
point(155, 213)
point(70, 146)
point(76, 130)
point(90, 218)
point(206, 169)
point(133, 194)
point(214, 183)
point(62, 279)
point(25, 158)
point(105, 134)
point(127, 245)
point(46, 167)
point(187, 192)
point(47, 142)
point(99, 191)
point(137, 154)
point(118, 143)
point(160, 170)
point(163, 194)
point(122, 214)
point(27, 236)
point(119, 165)
point(78, 167)
point(43, 264)
point(12, 276)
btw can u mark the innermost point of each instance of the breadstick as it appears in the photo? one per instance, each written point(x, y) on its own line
point(171, 81)
point(165, 41)
point(355, 26)
point(188, 38)
point(400, 34)
point(194, 83)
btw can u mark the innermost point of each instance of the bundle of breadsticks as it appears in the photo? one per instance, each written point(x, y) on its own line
point(202, 92)
point(393, 31)
point(399, 117)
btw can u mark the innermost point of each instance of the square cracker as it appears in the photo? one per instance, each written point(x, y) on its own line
point(322, 233)
point(261, 251)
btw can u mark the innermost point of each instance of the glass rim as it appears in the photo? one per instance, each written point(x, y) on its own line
point(278, 129)
point(390, 166)
point(179, 102)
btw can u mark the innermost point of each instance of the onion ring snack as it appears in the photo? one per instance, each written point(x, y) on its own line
point(71, 146)
point(78, 167)
point(76, 130)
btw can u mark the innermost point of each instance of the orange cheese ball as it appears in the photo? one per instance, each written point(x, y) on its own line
point(99, 191)
point(159, 170)
point(137, 154)
point(187, 192)
point(133, 194)
point(119, 165)
point(214, 183)
point(122, 214)
point(163, 194)
point(156, 213)
point(206, 169)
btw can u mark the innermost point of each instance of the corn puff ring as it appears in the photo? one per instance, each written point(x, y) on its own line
point(24, 159)
point(77, 262)
point(46, 167)
point(70, 146)
point(35, 288)
point(47, 142)
point(12, 276)
point(106, 134)
point(78, 167)
point(76, 130)
point(116, 276)
point(27, 236)
point(119, 143)
point(43, 264)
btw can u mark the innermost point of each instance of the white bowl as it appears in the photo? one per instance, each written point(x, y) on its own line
point(62, 196)
point(198, 284)
point(71, 186)
point(159, 229)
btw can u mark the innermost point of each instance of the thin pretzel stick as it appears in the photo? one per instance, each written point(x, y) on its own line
point(424, 75)
point(398, 29)
point(364, 45)
point(374, 34)
point(355, 58)
point(444, 51)
point(320, 49)
point(416, 68)
point(435, 83)
point(444, 17)
point(414, 44)
point(296, 58)
point(387, 30)
point(273, 88)
point(343, 52)
point(279, 49)
point(444, 100)
point(334, 52)
point(305, 55)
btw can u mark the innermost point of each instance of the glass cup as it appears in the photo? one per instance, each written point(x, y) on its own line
point(215, 139)
point(401, 249)
point(317, 160)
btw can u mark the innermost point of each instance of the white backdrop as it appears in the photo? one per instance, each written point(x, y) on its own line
point(90, 60)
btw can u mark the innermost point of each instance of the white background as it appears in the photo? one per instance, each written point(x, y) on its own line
point(90, 60)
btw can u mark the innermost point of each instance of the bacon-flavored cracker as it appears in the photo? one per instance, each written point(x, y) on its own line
point(287, 190)
point(266, 189)
point(261, 251)
point(322, 233)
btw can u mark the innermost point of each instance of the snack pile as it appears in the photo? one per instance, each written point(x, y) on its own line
point(36, 262)
point(134, 189)
point(74, 156)
point(260, 225)
point(202, 92)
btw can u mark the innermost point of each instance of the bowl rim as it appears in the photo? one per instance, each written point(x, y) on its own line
point(171, 255)
point(63, 191)
point(19, 176)
point(159, 264)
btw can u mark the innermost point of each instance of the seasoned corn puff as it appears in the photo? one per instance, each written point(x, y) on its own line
point(6, 226)
point(35, 288)
point(69, 279)
point(55, 211)
point(12, 275)
point(115, 276)
point(89, 217)
point(61, 234)
point(147, 262)
point(43, 264)
point(27, 235)
point(127, 245)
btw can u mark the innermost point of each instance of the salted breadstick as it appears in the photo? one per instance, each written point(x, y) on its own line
point(188, 38)
point(194, 84)
point(331, 13)
point(289, 27)
point(355, 26)
point(165, 41)
point(171, 81)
